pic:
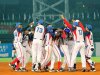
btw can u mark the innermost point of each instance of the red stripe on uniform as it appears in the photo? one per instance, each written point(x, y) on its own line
point(18, 34)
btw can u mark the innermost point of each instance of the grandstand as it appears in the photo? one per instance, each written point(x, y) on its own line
point(12, 11)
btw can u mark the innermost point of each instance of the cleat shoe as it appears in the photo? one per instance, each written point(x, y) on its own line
point(74, 66)
point(52, 70)
point(93, 70)
point(13, 66)
point(37, 70)
point(18, 70)
point(57, 71)
point(83, 69)
point(74, 69)
point(39, 66)
point(33, 68)
point(46, 69)
point(71, 69)
point(24, 70)
point(61, 70)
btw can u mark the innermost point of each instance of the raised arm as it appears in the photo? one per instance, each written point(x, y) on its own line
point(66, 22)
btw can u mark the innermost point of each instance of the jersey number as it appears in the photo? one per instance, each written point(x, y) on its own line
point(80, 32)
point(40, 30)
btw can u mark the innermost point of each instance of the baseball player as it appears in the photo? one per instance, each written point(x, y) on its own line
point(64, 48)
point(26, 51)
point(79, 44)
point(89, 45)
point(70, 43)
point(18, 46)
point(18, 35)
point(37, 45)
point(48, 46)
point(56, 52)
point(26, 42)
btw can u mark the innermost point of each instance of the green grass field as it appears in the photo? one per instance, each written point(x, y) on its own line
point(95, 59)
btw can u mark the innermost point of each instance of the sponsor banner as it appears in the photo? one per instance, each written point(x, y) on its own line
point(5, 50)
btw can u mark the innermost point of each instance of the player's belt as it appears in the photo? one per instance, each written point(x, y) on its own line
point(39, 39)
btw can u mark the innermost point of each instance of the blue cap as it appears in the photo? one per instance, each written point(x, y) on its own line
point(40, 22)
point(75, 23)
point(67, 30)
point(17, 24)
point(89, 27)
point(49, 28)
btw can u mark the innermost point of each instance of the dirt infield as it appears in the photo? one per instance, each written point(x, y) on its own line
point(5, 70)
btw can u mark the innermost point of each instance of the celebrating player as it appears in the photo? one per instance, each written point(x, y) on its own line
point(89, 45)
point(19, 48)
point(79, 43)
point(64, 48)
point(48, 47)
point(37, 46)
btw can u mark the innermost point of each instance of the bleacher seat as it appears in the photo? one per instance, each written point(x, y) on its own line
point(3, 32)
point(6, 38)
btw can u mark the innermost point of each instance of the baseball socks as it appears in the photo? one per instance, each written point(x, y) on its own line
point(59, 65)
point(17, 65)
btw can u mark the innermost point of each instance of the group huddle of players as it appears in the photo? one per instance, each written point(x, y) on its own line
point(45, 45)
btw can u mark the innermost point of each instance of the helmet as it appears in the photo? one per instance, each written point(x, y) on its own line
point(89, 27)
point(49, 29)
point(75, 23)
point(67, 30)
point(40, 22)
point(17, 24)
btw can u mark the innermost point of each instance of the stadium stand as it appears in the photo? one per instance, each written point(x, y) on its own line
point(85, 10)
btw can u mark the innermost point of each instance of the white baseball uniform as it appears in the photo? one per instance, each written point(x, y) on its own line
point(79, 44)
point(89, 46)
point(37, 44)
point(48, 49)
point(64, 49)
point(18, 46)
point(27, 52)
point(55, 55)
